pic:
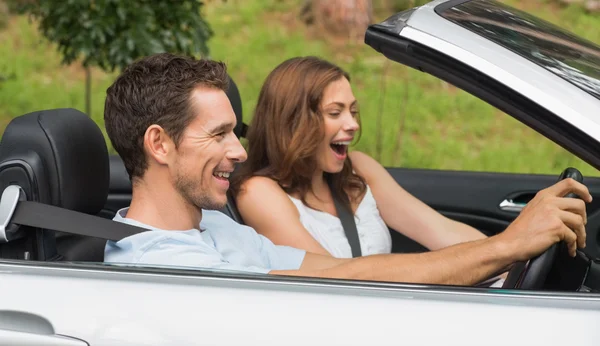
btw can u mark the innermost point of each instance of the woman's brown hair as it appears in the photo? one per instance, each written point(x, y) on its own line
point(287, 129)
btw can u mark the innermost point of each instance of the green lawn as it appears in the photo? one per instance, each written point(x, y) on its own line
point(443, 128)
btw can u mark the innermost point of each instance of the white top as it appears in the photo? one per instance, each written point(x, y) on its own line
point(327, 229)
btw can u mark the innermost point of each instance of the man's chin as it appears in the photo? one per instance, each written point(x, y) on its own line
point(210, 203)
point(216, 204)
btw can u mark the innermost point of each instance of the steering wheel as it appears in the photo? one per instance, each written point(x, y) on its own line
point(533, 273)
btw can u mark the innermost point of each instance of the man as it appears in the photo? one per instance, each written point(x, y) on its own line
point(172, 124)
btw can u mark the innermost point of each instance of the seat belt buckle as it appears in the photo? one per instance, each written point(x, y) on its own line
point(11, 196)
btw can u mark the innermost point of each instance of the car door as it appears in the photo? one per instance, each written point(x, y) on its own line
point(485, 200)
point(102, 305)
point(558, 110)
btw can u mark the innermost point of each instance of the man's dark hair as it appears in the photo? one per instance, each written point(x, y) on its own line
point(155, 90)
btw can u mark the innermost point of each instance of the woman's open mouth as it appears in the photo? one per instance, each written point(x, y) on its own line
point(340, 149)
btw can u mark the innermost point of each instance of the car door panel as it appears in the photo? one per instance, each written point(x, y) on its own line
point(122, 307)
point(475, 198)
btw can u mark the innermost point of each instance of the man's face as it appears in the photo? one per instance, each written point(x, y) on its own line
point(208, 151)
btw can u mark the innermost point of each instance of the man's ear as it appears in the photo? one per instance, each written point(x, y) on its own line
point(158, 145)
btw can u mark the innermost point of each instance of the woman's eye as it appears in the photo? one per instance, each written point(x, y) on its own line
point(334, 114)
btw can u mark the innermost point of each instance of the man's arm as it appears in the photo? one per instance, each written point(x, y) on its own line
point(462, 264)
point(547, 219)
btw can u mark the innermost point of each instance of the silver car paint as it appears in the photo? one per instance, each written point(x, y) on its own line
point(114, 308)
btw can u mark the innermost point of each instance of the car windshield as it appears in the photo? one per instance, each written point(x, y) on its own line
point(566, 55)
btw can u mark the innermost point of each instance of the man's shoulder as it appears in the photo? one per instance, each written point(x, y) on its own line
point(222, 228)
point(156, 244)
point(215, 220)
point(145, 240)
point(132, 248)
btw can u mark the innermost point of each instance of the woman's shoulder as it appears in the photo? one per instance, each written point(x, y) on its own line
point(260, 183)
point(259, 196)
point(364, 165)
point(259, 188)
point(361, 159)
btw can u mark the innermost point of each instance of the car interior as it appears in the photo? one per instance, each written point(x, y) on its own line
point(59, 157)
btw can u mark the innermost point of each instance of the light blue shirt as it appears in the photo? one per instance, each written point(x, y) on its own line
point(222, 244)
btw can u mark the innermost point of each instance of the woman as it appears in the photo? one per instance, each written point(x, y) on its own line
point(305, 119)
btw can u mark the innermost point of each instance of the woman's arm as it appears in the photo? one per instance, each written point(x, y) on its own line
point(264, 206)
point(406, 214)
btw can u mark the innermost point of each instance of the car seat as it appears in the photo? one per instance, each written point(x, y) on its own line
point(57, 157)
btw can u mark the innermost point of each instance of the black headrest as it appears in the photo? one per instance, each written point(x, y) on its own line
point(65, 154)
point(236, 102)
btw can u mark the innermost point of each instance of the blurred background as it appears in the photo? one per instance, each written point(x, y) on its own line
point(65, 53)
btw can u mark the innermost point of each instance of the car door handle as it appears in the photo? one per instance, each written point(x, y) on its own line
point(19, 328)
point(512, 206)
point(15, 338)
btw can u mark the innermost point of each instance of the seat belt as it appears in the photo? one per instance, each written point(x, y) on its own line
point(348, 223)
point(39, 215)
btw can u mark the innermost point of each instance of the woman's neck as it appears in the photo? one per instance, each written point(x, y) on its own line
point(319, 187)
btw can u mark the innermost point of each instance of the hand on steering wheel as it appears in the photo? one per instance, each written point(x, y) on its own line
point(532, 274)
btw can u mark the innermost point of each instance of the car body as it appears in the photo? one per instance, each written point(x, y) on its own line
point(77, 302)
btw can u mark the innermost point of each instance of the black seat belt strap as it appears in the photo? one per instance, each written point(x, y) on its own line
point(41, 215)
point(348, 223)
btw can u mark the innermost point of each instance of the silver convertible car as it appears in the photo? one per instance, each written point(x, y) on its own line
point(60, 189)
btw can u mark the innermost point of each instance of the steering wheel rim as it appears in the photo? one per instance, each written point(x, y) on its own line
point(533, 273)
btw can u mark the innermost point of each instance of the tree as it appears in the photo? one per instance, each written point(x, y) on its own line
point(350, 18)
point(4, 14)
point(111, 34)
point(342, 18)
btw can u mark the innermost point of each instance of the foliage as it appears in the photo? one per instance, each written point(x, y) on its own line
point(342, 18)
point(113, 33)
point(4, 14)
point(443, 128)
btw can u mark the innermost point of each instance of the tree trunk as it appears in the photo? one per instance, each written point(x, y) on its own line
point(341, 18)
point(4, 14)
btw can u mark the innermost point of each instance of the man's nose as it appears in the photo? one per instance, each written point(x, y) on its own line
point(237, 152)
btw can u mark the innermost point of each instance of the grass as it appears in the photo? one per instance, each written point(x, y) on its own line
point(443, 128)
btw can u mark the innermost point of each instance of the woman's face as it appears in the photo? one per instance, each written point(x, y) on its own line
point(339, 110)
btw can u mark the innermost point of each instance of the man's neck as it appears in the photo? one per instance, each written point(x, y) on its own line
point(162, 207)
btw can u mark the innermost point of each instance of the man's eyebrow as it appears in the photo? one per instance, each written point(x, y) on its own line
point(224, 127)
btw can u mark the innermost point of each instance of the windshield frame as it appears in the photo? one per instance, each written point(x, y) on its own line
point(574, 78)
